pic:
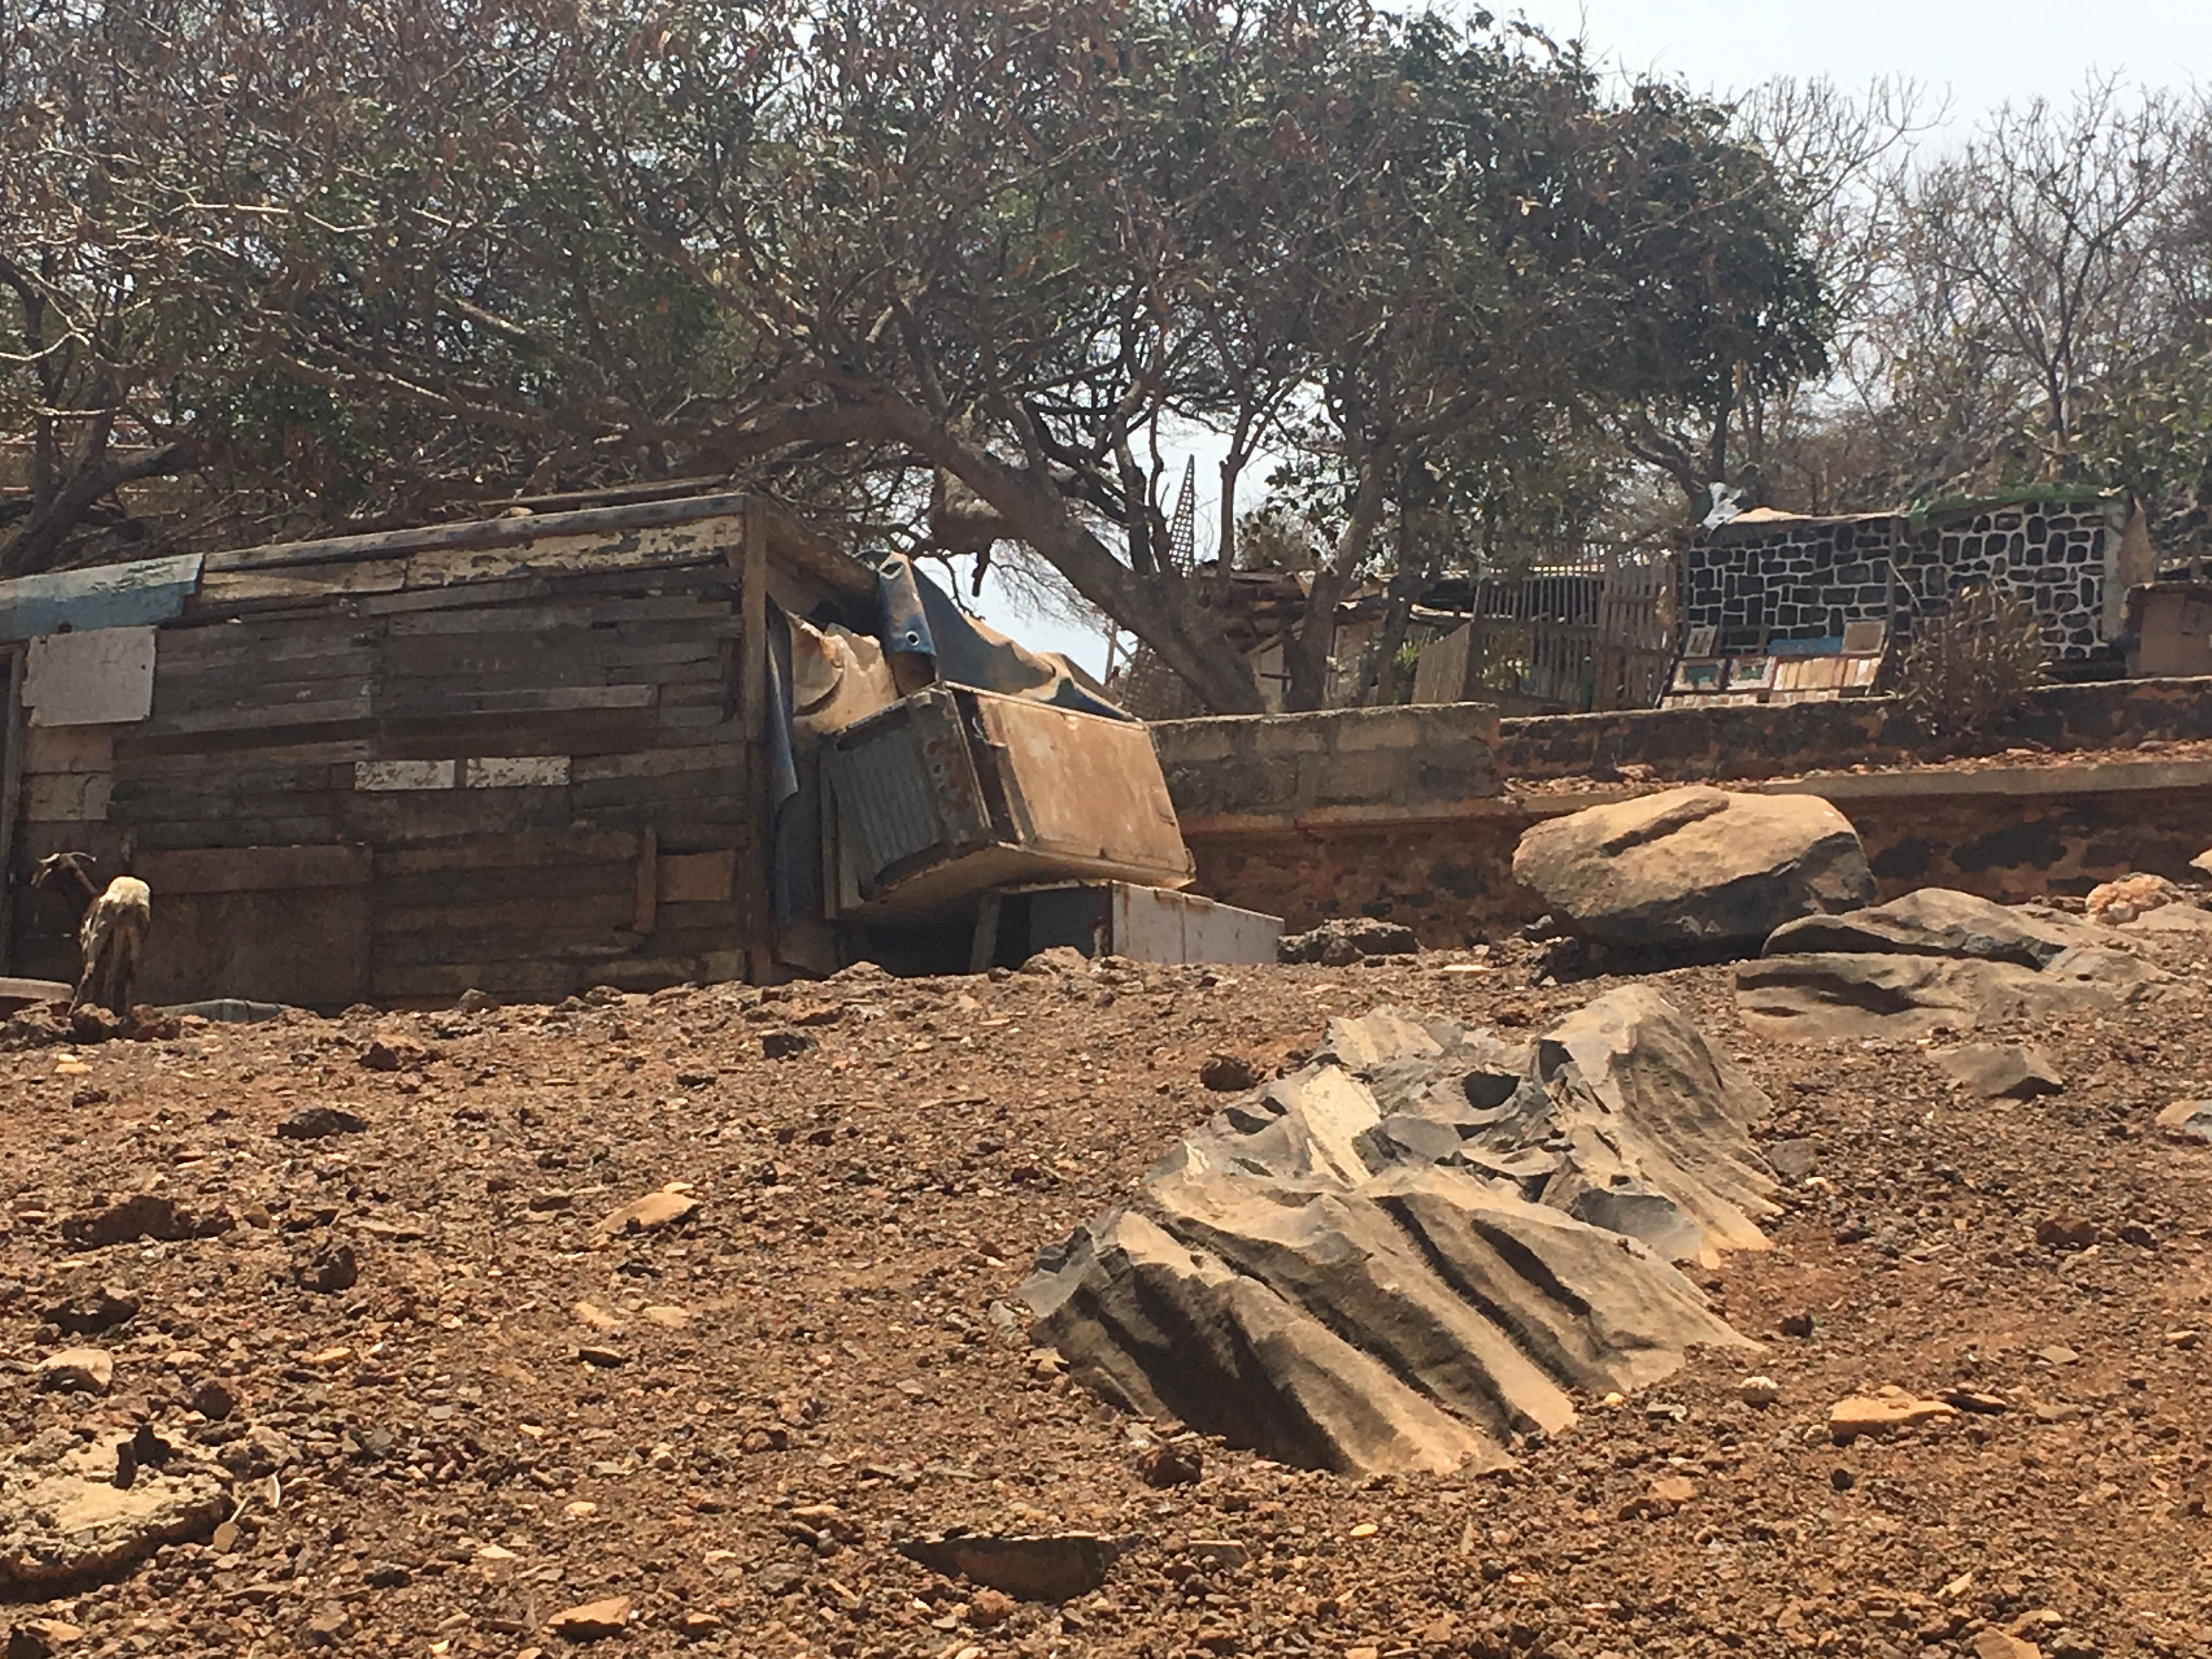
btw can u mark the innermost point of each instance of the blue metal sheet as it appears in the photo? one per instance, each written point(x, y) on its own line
point(140, 595)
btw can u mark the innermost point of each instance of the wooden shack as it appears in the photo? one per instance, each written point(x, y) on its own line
point(519, 755)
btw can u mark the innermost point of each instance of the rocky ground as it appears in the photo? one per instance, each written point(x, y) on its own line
point(463, 1371)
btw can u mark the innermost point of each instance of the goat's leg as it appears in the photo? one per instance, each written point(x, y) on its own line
point(123, 973)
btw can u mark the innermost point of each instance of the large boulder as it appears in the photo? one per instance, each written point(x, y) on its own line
point(1421, 1244)
point(1694, 869)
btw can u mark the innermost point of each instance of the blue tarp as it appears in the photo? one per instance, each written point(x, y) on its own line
point(140, 595)
point(920, 619)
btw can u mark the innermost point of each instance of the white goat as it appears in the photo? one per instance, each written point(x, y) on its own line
point(112, 933)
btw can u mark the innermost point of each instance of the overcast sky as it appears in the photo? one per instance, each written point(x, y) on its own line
point(1979, 54)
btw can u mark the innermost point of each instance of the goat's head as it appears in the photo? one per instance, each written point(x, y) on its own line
point(67, 870)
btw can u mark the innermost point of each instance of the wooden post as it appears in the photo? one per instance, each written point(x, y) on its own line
point(11, 801)
point(648, 914)
point(753, 709)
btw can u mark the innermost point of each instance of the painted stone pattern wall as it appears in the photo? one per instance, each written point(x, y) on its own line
point(1806, 580)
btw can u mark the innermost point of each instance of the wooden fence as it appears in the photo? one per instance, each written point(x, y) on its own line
point(1568, 638)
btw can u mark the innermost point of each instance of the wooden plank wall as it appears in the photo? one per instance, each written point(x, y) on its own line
point(543, 776)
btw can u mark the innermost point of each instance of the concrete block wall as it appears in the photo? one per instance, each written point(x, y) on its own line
point(1340, 765)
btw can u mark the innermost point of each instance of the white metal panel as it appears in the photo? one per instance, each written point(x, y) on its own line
point(1154, 924)
point(104, 676)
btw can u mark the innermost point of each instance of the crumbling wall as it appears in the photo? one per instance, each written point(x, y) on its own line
point(1340, 765)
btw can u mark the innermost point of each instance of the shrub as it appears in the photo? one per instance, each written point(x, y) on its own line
point(1964, 671)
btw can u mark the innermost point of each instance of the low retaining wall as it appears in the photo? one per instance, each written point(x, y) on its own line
point(2021, 833)
point(1762, 740)
point(1343, 766)
point(1408, 814)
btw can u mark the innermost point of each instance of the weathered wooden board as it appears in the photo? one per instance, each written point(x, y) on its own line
point(69, 749)
point(572, 844)
point(257, 869)
point(307, 946)
point(688, 878)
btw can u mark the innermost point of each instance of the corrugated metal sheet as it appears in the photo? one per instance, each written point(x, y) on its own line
point(140, 595)
point(905, 788)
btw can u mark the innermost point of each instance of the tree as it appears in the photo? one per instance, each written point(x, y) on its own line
point(433, 250)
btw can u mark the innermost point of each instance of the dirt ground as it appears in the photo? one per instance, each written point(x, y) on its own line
point(729, 1418)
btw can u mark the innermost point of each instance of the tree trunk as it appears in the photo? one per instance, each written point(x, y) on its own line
point(1306, 654)
point(1408, 583)
point(44, 531)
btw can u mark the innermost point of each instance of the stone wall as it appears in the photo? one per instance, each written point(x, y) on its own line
point(1452, 882)
point(1401, 813)
point(1805, 579)
point(1343, 765)
point(1769, 740)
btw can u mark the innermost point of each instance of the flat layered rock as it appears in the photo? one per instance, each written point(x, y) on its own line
point(1934, 961)
point(1694, 868)
point(2002, 1070)
point(1378, 1264)
point(1939, 921)
point(63, 1519)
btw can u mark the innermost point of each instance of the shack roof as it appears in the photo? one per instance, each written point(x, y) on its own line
point(691, 530)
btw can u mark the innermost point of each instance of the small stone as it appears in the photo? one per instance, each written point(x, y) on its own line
point(649, 1214)
point(35, 1638)
point(319, 1122)
point(2188, 1119)
point(667, 1316)
point(1053, 1567)
point(1994, 1643)
point(1365, 1529)
point(1219, 1552)
point(1881, 1413)
point(333, 1624)
point(2058, 1354)
point(214, 1400)
point(87, 1370)
point(1842, 1479)
point(224, 1539)
point(694, 1626)
point(93, 1310)
point(396, 1051)
point(1981, 1404)
point(2002, 1071)
point(591, 1621)
point(2184, 1340)
point(1792, 1159)
point(1228, 1074)
point(1759, 1391)
point(604, 1357)
point(784, 1045)
point(142, 1215)
point(1796, 1324)
point(2066, 1232)
point(41, 1639)
point(1669, 1492)
point(1170, 1465)
point(331, 1269)
point(987, 1607)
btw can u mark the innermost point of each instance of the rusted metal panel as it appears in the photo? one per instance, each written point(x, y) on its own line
point(1084, 788)
point(950, 792)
